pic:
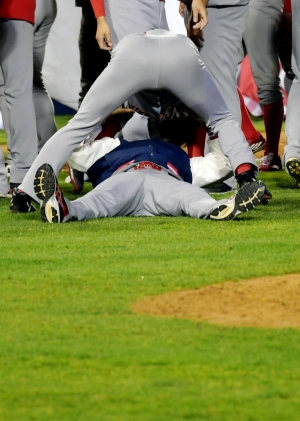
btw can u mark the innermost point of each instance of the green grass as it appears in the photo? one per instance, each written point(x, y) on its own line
point(71, 348)
point(60, 121)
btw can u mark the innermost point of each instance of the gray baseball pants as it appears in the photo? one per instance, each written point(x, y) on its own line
point(16, 61)
point(221, 50)
point(292, 125)
point(260, 40)
point(45, 14)
point(142, 193)
point(134, 16)
point(147, 61)
point(4, 187)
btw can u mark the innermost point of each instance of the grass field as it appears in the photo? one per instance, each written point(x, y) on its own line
point(72, 349)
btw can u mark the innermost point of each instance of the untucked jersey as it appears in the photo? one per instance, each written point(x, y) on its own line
point(163, 154)
point(18, 10)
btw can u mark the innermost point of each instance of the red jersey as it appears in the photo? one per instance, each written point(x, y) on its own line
point(98, 7)
point(19, 10)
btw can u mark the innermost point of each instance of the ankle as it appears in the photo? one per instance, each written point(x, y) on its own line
point(245, 173)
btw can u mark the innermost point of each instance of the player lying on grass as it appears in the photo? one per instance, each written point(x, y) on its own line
point(140, 178)
point(156, 60)
point(179, 128)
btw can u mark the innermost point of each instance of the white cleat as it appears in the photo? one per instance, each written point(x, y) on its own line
point(246, 199)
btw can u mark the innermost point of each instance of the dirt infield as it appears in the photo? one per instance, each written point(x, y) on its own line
point(282, 144)
point(271, 302)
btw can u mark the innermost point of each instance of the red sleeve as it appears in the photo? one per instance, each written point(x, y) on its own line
point(287, 7)
point(98, 7)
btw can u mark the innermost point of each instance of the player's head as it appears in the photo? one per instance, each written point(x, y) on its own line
point(179, 131)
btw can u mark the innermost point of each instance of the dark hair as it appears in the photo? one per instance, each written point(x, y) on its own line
point(179, 131)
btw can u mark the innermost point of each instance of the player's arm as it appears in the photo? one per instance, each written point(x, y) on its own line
point(199, 14)
point(103, 31)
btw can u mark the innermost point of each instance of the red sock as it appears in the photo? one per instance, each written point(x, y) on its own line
point(242, 168)
point(197, 148)
point(110, 127)
point(248, 128)
point(273, 117)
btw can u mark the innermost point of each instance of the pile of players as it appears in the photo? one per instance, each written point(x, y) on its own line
point(170, 92)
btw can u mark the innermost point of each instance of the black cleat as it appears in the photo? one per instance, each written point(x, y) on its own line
point(20, 202)
point(77, 179)
point(54, 208)
point(220, 188)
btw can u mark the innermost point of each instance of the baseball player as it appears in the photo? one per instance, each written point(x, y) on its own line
point(16, 61)
point(142, 178)
point(116, 20)
point(223, 40)
point(143, 61)
point(291, 158)
point(206, 171)
point(260, 37)
point(45, 14)
point(221, 49)
point(93, 61)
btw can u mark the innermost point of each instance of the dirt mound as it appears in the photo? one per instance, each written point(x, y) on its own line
point(272, 302)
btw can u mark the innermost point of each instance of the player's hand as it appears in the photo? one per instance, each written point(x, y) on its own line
point(199, 12)
point(103, 34)
point(181, 9)
point(194, 34)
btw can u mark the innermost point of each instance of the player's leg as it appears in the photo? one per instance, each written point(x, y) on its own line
point(130, 71)
point(194, 86)
point(4, 186)
point(260, 37)
point(220, 51)
point(166, 195)
point(292, 126)
point(120, 195)
point(93, 60)
point(16, 52)
point(45, 14)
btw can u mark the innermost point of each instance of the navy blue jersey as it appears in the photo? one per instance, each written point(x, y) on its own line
point(161, 153)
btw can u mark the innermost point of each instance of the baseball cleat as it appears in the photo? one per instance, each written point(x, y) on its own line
point(258, 144)
point(246, 199)
point(54, 208)
point(77, 179)
point(20, 202)
point(270, 162)
point(292, 166)
point(220, 188)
